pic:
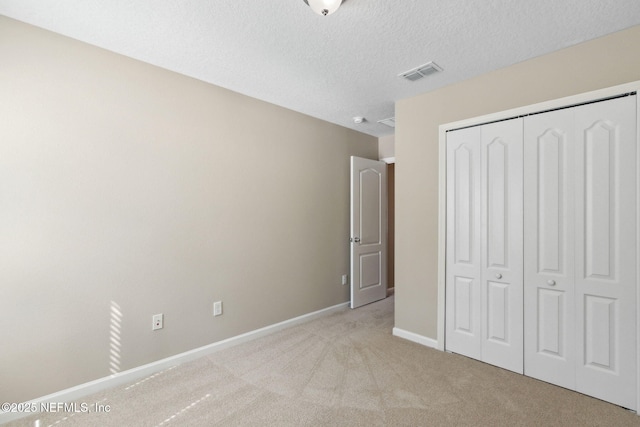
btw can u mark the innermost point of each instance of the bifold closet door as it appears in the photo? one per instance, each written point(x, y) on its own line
point(549, 309)
point(463, 322)
point(605, 250)
point(484, 244)
point(580, 249)
point(502, 247)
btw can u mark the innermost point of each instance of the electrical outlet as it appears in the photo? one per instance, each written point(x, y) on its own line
point(158, 321)
point(345, 279)
point(217, 308)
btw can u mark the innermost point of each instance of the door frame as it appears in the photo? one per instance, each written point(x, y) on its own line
point(568, 101)
point(390, 161)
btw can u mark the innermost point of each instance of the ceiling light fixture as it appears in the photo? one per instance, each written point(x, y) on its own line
point(324, 7)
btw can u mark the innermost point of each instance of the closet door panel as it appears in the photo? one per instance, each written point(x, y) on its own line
point(502, 244)
point(463, 304)
point(606, 250)
point(549, 346)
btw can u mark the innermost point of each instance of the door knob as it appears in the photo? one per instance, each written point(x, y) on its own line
point(551, 282)
point(498, 276)
point(356, 240)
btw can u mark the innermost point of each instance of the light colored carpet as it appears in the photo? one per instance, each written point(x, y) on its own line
point(344, 369)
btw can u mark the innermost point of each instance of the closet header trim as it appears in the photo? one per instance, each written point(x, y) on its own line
point(547, 111)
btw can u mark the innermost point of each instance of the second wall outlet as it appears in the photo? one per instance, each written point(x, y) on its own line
point(217, 308)
point(158, 321)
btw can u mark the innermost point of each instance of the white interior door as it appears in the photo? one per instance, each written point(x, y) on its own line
point(549, 311)
point(580, 247)
point(368, 231)
point(501, 237)
point(484, 244)
point(579, 263)
point(605, 250)
point(463, 306)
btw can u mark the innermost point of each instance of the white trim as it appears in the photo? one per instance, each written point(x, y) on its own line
point(442, 233)
point(638, 255)
point(388, 160)
point(420, 339)
point(529, 109)
point(546, 105)
point(131, 375)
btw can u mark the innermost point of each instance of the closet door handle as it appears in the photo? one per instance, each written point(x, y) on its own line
point(498, 276)
point(551, 282)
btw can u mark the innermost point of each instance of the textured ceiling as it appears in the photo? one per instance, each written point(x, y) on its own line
point(335, 67)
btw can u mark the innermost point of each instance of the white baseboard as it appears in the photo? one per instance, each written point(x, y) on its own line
point(131, 375)
point(420, 339)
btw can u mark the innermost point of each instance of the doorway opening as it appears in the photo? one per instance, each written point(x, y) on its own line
point(390, 227)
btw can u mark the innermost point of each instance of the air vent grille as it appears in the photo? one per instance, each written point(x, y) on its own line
point(391, 122)
point(421, 71)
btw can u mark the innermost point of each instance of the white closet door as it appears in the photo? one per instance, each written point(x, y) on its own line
point(502, 293)
point(463, 304)
point(605, 255)
point(549, 348)
point(575, 321)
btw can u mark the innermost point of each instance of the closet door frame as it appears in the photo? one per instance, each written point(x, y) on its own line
point(569, 101)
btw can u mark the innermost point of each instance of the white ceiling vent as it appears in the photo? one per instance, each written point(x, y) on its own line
point(421, 71)
point(391, 122)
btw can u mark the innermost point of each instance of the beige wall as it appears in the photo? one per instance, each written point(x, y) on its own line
point(386, 146)
point(122, 183)
point(600, 63)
